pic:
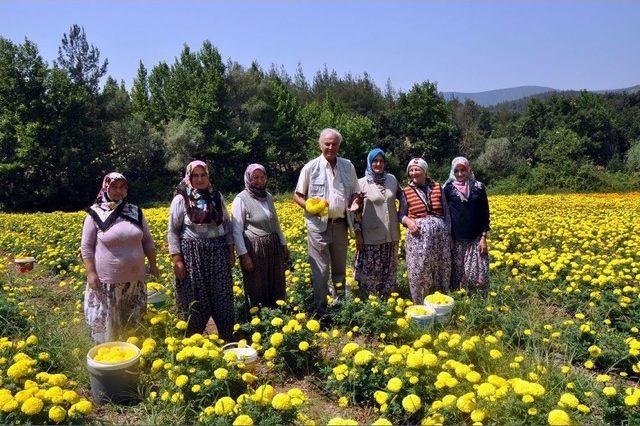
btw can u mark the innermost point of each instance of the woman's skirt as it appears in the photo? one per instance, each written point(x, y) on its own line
point(207, 290)
point(266, 284)
point(470, 268)
point(375, 268)
point(115, 310)
point(428, 258)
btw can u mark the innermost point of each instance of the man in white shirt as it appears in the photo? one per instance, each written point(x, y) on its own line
point(334, 179)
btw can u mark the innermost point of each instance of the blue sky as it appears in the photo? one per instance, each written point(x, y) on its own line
point(463, 46)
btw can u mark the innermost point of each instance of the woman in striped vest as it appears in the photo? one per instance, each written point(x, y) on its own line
point(424, 212)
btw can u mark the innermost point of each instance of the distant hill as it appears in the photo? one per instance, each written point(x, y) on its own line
point(500, 96)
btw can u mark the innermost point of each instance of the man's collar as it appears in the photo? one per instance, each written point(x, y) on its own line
point(325, 163)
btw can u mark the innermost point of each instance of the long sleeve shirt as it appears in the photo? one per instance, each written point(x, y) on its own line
point(180, 226)
point(119, 252)
point(238, 214)
point(469, 217)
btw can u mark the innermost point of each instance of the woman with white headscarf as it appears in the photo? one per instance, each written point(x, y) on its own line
point(423, 211)
point(260, 243)
point(201, 249)
point(115, 241)
point(469, 208)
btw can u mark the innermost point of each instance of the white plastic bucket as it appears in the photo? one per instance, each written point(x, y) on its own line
point(117, 383)
point(422, 320)
point(24, 264)
point(246, 355)
point(441, 309)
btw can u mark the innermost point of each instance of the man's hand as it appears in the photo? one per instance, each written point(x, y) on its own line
point(246, 263)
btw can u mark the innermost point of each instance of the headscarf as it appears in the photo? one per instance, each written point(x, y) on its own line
point(102, 199)
point(202, 205)
point(372, 176)
point(105, 211)
point(462, 187)
point(423, 191)
point(258, 192)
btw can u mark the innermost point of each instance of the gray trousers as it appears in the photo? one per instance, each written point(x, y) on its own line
point(327, 249)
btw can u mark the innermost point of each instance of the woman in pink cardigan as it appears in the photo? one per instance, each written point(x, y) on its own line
point(115, 241)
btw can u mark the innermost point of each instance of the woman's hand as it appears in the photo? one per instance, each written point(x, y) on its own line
point(411, 225)
point(483, 248)
point(153, 270)
point(179, 269)
point(359, 241)
point(246, 263)
point(93, 281)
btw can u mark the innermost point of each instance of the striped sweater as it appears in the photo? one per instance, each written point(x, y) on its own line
point(417, 207)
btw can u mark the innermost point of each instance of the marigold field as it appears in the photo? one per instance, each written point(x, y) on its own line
point(556, 341)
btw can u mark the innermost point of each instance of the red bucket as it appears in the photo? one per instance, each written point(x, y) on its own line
point(24, 264)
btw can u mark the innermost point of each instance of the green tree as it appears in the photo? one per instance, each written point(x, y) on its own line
point(80, 60)
point(425, 121)
point(140, 94)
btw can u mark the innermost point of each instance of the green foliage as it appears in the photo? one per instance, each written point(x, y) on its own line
point(60, 132)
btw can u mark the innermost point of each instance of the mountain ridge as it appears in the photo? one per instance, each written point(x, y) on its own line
point(493, 97)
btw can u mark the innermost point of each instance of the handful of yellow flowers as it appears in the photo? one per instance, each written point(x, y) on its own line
point(419, 310)
point(438, 298)
point(114, 355)
point(317, 206)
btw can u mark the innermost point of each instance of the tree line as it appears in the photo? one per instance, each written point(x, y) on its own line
point(60, 130)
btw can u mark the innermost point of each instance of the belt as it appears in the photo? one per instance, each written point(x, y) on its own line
point(336, 220)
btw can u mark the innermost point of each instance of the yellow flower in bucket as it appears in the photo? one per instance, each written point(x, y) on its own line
point(114, 354)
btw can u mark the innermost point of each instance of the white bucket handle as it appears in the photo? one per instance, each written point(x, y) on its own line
point(230, 344)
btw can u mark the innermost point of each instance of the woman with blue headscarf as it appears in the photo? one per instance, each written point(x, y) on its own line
point(377, 228)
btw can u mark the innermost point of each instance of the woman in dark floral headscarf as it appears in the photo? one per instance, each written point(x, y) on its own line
point(201, 249)
point(115, 241)
point(260, 243)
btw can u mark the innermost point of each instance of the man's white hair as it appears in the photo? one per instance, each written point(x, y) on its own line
point(329, 131)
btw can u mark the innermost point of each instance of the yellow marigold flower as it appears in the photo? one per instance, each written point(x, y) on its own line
point(264, 394)
point(394, 384)
point(181, 380)
point(609, 391)
point(221, 373)
point(249, 378)
point(281, 402)
point(343, 402)
point(313, 325)
point(32, 406)
point(57, 414)
point(380, 396)
point(478, 415)
point(277, 322)
point(532, 411)
point(270, 353)
point(495, 354)
point(339, 421)
point(243, 420)
point(276, 339)
point(382, 422)
point(473, 377)
point(486, 390)
point(350, 348)
point(466, 403)
point(558, 418)
point(303, 346)
point(411, 403)
point(224, 406)
point(568, 400)
point(363, 357)
point(181, 325)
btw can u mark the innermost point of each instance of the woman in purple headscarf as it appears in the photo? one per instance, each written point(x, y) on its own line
point(260, 243)
point(115, 241)
point(201, 249)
